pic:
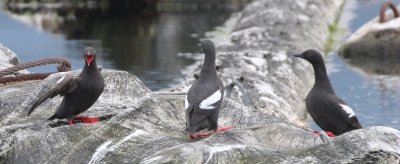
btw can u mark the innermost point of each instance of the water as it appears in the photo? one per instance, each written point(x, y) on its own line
point(144, 42)
point(374, 98)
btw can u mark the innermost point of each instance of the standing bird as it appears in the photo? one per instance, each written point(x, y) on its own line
point(328, 110)
point(203, 101)
point(80, 93)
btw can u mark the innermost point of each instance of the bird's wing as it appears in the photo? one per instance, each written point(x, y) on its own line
point(186, 102)
point(210, 102)
point(65, 85)
point(331, 113)
point(351, 118)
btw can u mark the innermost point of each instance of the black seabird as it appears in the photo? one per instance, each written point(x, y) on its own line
point(328, 110)
point(203, 101)
point(80, 93)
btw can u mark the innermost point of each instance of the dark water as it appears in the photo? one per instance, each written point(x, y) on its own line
point(144, 42)
point(374, 98)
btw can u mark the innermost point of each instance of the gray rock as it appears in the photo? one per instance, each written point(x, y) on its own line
point(148, 126)
point(372, 144)
point(259, 49)
point(374, 46)
point(7, 57)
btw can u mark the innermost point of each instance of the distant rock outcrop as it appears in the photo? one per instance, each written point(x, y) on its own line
point(375, 46)
point(7, 57)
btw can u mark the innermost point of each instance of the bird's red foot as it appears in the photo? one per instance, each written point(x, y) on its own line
point(224, 128)
point(82, 119)
point(330, 134)
point(197, 135)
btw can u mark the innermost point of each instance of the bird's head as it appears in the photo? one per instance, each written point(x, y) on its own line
point(90, 54)
point(207, 46)
point(312, 56)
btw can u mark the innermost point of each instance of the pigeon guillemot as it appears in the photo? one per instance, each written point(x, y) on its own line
point(328, 110)
point(80, 93)
point(203, 101)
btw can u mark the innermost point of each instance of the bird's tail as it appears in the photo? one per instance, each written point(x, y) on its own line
point(52, 117)
point(189, 113)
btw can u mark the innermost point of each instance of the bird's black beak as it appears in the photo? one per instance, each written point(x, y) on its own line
point(298, 56)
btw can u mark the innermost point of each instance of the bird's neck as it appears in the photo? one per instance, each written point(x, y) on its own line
point(208, 66)
point(91, 69)
point(322, 79)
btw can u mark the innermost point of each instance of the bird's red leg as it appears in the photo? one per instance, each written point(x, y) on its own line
point(197, 135)
point(330, 134)
point(316, 132)
point(84, 119)
point(70, 122)
point(224, 128)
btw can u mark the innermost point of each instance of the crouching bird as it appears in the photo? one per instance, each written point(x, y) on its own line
point(80, 92)
point(328, 110)
point(203, 101)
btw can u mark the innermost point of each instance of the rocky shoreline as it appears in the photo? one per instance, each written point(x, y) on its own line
point(257, 47)
point(148, 126)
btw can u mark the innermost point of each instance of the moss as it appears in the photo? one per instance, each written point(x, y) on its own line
point(332, 28)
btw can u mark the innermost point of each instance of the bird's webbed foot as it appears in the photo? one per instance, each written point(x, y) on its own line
point(82, 119)
point(224, 128)
point(197, 135)
point(330, 134)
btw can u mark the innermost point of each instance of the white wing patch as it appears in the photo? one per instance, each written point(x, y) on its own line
point(209, 101)
point(348, 110)
point(62, 78)
point(186, 103)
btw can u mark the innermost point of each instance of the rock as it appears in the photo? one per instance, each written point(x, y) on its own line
point(370, 144)
point(148, 127)
point(7, 57)
point(145, 124)
point(374, 46)
point(364, 145)
point(122, 93)
point(259, 50)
